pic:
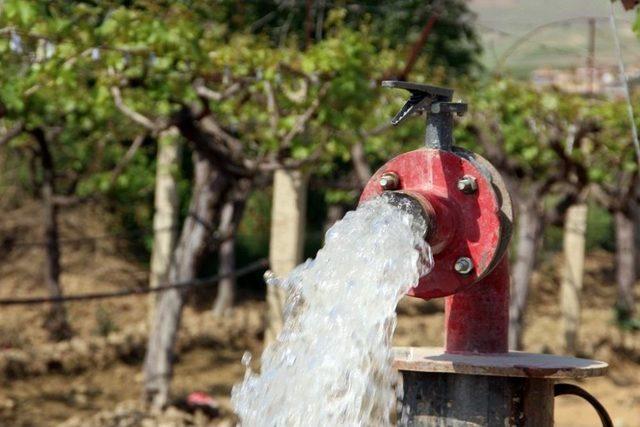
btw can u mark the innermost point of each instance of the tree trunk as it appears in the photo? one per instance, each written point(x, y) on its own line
point(575, 227)
point(56, 321)
point(288, 213)
point(229, 221)
point(226, 286)
point(210, 188)
point(636, 233)
point(529, 230)
point(625, 262)
point(165, 217)
point(360, 164)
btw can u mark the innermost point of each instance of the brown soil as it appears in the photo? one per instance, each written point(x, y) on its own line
point(213, 364)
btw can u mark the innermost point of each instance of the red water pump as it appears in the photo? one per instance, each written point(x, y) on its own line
point(474, 380)
point(469, 216)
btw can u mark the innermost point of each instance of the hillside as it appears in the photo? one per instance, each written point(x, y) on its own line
point(502, 22)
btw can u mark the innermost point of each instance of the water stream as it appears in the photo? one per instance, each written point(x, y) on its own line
point(331, 364)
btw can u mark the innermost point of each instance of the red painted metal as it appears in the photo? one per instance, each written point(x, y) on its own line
point(477, 319)
point(467, 225)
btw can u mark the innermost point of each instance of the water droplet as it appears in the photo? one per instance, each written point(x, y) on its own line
point(246, 359)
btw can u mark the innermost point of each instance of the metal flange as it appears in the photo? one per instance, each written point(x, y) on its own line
point(469, 224)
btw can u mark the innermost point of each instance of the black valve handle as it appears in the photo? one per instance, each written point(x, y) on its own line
point(436, 101)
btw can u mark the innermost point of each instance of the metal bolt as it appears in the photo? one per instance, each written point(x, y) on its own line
point(389, 181)
point(467, 184)
point(463, 265)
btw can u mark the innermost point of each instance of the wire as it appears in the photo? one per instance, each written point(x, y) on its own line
point(106, 236)
point(625, 82)
point(204, 282)
point(529, 34)
point(504, 33)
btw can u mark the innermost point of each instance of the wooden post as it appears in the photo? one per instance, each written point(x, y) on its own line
point(625, 262)
point(165, 217)
point(288, 213)
point(575, 228)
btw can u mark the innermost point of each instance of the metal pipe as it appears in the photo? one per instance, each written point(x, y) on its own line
point(477, 319)
point(439, 130)
point(416, 206)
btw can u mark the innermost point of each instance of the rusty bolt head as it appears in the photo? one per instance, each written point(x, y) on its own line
point(389, 181)
point(463, 265)
point(467, 184)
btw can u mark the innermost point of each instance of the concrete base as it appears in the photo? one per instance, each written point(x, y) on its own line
point(510, 389)
point(454, 400)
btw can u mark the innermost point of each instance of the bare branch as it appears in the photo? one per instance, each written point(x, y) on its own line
point(133, 148)
point(576, 136)
point(272, 107)
point(12, 133)
point(418, 45)
point(273, 165)
point(132, 114)
point(71, 200)
point(378, 130)
point(209, 125)
point(602, 196)
point(212, 95)
point(491, 140)
point(300, 95)
point(209, 143)
point(301, 123)
point(360, 164)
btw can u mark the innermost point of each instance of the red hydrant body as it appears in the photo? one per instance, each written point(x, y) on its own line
point(469, 221)
point(476, 380)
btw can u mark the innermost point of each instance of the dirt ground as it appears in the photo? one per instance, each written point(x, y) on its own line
point(73, 398)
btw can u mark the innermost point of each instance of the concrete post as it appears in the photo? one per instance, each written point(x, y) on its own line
point(572, 273)
point(287, 237)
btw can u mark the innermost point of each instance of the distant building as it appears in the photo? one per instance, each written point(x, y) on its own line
point(585, 80)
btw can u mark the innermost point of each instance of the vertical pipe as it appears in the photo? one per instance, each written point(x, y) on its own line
point(439, 131)
point(477, 319)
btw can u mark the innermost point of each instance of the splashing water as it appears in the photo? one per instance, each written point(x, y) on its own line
point(331, 364)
